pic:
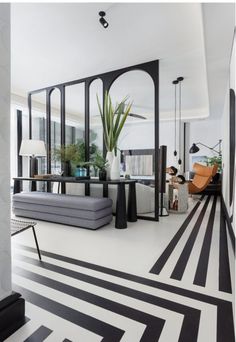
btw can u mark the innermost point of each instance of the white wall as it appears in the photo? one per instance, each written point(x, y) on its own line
point(5, 250)
point(140, 135)
point(208, 132)
point(225, 133)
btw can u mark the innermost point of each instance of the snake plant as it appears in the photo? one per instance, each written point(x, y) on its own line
point(113, 120)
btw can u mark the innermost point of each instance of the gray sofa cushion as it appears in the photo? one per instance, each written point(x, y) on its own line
point(63, 201)
point(85, 214)
point(79, 211)
point(71, 221)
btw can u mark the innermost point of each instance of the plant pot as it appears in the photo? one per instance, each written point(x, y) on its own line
point(115, 168)
point(67, 168)
point(102, 175)
point(216, 178)
point(109, 158)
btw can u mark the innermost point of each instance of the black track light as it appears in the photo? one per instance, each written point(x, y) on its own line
point(180, 79)
point(103, 21)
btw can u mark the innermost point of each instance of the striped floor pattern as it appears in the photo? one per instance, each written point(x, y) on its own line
point(72, 300)
point(187, 256)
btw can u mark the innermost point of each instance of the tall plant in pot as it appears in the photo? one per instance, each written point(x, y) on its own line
point(113, 120)
point(70, 156)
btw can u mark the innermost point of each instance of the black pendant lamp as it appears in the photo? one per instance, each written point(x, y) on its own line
point(175, 82)
point(180, 79)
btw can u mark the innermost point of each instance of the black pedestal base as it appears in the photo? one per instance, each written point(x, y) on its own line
point(12, 315)
point(33, 166)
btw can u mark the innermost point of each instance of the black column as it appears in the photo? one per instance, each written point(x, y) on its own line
point(19, 140)
point(121, 216)
point(132, 203)
point(163, 150)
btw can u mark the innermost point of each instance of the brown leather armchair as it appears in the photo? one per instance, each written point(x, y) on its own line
point(203, 176)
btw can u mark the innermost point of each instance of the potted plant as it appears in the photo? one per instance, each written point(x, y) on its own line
point(113, 120)
point(212, 161)
point(69, 156)
point(100, 163)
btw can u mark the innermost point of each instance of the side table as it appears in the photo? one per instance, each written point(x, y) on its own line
point(182, 196)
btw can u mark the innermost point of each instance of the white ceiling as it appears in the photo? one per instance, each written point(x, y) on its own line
point(59, 42)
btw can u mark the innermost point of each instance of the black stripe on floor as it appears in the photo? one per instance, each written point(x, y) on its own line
point(224, 268)
point(225, 322)
point(154, 324)
point(109, 332)
point(39, 335)
point(191, 315)
point(201, 272)
point(229, 221)
point(185, 254)
point(160, 263)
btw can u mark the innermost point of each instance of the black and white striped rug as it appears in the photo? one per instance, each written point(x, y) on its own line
point(185, 297)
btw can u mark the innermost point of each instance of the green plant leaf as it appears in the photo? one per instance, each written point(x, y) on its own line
point(113, 120)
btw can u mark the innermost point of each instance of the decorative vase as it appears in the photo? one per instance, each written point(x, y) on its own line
point(67, 168)
point(109, 158)
point(78, 171)
point(115, 168)
point(102, 175)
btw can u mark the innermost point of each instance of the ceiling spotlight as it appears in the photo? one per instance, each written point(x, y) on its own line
point(102, 20)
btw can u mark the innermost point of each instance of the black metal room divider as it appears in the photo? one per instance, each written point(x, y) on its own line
point(108, 78)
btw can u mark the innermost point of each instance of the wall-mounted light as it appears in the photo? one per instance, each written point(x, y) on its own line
point(194, 148)
point(103, 21)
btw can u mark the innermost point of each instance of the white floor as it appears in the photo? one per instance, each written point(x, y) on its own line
point(126, 316)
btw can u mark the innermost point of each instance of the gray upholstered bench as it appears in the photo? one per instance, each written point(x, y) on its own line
point(80, 211)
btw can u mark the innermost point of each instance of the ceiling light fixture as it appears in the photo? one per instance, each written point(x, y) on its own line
point(103, 21)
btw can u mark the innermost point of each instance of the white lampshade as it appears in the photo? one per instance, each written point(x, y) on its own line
point(33, 148)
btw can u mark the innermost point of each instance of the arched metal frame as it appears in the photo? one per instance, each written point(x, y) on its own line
point(108, 78)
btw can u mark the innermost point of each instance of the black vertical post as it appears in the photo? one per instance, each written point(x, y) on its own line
point(162, 163)
point(156, 123)
point(106, 88)
point(19, 140)
point(87, 140)
point(30, 115)
point(232, 140)
point(63, 127)
point(63, 116)
point(48, 134)
point(33, 184)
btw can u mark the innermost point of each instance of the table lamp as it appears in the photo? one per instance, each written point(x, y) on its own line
point(33, 149)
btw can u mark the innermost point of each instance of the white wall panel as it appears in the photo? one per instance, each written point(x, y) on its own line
point(5, 250)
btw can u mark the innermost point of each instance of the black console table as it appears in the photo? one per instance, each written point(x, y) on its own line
point(121, 215)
